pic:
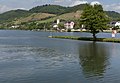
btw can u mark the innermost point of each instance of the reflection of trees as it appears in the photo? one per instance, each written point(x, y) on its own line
point(93, 59)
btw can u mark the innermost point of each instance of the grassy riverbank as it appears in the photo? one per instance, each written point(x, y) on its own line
point(116, 40)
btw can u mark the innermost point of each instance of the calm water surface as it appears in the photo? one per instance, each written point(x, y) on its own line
point(32, 57)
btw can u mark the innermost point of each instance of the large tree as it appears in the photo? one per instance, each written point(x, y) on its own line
point(94, 18)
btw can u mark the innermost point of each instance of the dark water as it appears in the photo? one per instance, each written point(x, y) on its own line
point(32, 57)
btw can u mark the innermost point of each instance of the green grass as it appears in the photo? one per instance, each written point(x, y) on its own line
point(35, 17)
point(67, 16)
point(116, 40)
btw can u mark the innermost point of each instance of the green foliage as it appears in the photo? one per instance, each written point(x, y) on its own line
point(52, 9)
point(61, 25)
point(12, 15)
point(114, 15)
point(78, 24)
point(116, 40)
point(94, 19)
point(76, 8)
point(68, 13)
point(68, 30)
point(56, 9)
point(36, 26)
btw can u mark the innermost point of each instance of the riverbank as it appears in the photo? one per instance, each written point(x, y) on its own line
point(115, 40)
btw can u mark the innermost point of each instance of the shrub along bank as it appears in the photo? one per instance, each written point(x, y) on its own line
point(117, 40)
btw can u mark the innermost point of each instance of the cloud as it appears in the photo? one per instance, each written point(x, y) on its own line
point(4, 8)
point(95, 2)
point(58, 1)
point(77, 2)
point(113, 7)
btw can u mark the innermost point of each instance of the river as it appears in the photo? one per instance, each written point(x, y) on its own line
point(32, 57)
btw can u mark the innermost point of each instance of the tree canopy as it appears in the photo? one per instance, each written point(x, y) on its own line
point(94, 18)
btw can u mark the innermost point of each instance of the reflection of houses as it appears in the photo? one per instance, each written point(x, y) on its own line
point(69, 25)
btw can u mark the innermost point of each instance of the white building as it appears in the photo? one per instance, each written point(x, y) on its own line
point(58, 21)
point(56, 24)
point(69, 25)
point(117, 24)
point(16, 26)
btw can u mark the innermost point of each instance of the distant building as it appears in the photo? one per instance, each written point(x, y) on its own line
point(58, 21)
point(69, 25)
point(16, 26)
point(55, 25)
point(115, 24)
point(112, 24)
point(66, 26)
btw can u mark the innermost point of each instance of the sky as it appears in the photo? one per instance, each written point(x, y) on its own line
point(6, 5)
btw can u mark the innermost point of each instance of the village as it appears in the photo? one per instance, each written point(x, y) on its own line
point(70, 26)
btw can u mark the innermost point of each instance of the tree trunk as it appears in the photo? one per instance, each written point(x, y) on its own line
point(94, 36)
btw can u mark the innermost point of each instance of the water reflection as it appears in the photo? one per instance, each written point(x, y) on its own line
point(94, 59)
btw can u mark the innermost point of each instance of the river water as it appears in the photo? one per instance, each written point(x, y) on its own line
point(32, 57)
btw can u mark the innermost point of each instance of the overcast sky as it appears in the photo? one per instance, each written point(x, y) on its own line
point(5, 5)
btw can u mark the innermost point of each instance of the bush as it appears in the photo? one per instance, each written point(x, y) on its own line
point(117, 40)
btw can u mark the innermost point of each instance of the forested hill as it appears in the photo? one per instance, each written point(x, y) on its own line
point(13, 14)
point(50, 9)
point(113, 14)
point(56, 9)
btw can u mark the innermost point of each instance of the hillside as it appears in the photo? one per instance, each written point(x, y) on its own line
point(54, 11)
point(34, 17)
point(13, 14)
point(114, 15)
point(26, 16)
point(67, 16)
point(76, 8)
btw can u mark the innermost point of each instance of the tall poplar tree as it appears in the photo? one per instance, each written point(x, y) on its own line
point(94, 19)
